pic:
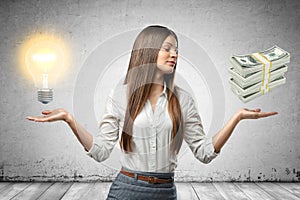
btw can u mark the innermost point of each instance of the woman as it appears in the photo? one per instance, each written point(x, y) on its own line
point(152, 118)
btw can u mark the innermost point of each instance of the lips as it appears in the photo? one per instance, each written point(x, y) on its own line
point(171, 62)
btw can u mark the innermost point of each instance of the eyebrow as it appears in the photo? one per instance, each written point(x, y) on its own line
point(170, 44)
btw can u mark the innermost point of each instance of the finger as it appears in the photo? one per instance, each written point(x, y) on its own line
point(253, 110)
point(37, 119)
point(46, 112)
point(30, 118)
point(266, 114)
point(41, 120)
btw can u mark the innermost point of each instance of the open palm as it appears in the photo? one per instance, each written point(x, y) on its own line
point(254, 114)
point(50, 116)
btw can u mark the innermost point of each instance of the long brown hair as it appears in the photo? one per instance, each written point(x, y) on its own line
point(139, 80)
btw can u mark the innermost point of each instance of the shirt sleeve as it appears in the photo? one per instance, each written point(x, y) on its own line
point(201, 146)
point(108, 134)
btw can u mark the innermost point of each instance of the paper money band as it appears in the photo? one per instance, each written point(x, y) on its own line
point(267, 64)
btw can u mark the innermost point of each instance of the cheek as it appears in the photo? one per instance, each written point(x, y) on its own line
point(162, 56)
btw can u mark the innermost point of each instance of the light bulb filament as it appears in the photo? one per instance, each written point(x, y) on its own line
point(45, 80)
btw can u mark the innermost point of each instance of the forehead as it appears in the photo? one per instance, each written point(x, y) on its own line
point(170, 40)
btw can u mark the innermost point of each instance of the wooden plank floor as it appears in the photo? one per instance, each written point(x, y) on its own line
point(185, 191)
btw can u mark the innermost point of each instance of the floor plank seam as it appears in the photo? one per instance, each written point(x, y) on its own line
point(45, 191)
point(90, 188)
point(287, 190)
point(224, 198)
point(220, 192)
point(265, 191)
point(22, 190)
point(195, 191)
point(241, 190)
point(66, 191)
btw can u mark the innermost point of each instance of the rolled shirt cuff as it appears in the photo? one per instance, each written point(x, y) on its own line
point(210, 150)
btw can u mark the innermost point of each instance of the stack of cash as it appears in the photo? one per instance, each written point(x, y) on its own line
point(256, 74)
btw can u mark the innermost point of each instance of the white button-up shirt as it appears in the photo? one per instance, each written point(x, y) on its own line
point(151, 135)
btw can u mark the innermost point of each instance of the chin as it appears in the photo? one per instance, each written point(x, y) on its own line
point(166, 69)
point(170, 71)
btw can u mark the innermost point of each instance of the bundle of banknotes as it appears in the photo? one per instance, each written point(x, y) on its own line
point(258, 73)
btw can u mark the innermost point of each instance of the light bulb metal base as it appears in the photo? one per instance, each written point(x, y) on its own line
point(45, 95)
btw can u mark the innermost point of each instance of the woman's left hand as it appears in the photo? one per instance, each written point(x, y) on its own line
point(245, 113)
point(222, 136)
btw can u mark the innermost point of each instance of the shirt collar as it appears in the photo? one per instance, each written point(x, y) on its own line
point(164, 92)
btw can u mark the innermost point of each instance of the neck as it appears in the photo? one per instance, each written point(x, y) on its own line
point(158, 78)
point(158, 84)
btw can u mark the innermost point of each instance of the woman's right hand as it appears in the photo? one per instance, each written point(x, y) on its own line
point(60, 114)
point(52, 115)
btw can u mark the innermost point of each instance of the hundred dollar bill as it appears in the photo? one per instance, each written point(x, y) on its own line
point(247, 64)
point(247, 98)
point(245, 92)
point(256, 77)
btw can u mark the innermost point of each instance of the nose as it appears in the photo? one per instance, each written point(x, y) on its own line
point(173, 53)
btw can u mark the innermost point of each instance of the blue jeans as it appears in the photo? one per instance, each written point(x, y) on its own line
point(127, 188)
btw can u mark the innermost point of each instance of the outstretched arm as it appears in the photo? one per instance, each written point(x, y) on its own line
point(222, 136)
point(85, 138)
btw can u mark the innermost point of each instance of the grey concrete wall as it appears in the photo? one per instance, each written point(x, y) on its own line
point(265, 149)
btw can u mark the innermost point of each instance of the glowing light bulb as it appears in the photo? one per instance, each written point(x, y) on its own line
point(44, 58)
